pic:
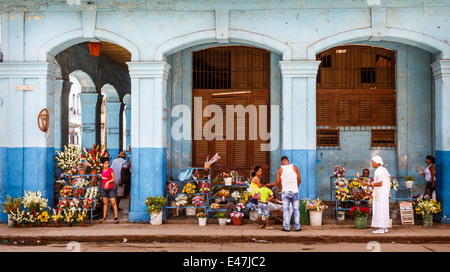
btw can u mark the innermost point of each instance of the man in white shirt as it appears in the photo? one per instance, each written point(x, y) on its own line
point(117, 166)
point(289, 179)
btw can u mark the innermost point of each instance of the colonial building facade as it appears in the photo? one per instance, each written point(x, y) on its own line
point(342, 81)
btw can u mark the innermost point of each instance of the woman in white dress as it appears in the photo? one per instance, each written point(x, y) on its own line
point(380, 203)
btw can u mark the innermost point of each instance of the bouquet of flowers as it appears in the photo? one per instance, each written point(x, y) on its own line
point(197, 200)
point(78, 192)
point(81, 182)
point(316, 205)
point(81, 216)
point(57, 216)
point(224, 193)
point(18, 216)
point(409, 178)
point(181, 200)
point(93, 157)
point(240, 206)
point(66, 191)
point(91, 192)
point(214, 206)
point(358, 195)
point(64, 203)
point(204, 187)
point(189, 188)
point(245, 195)
point(427, 206)
point(69, 215)
point(394, 185)
point(34, 201)
point(69, 159)
point(236, 195)
point(342, 194)
point(155, 204)
point(30, 216)
point(214, 159)
point(339, 171)
point(88, 203)
point(201, 215)
point(74, 203)
point(11, 205)
point(236, 215)
point(43, 217)
point(340, 183)
point(360, 212)
point(354, 184)
point(172, 188)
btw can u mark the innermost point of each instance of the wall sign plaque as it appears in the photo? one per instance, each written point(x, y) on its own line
point(43, 120)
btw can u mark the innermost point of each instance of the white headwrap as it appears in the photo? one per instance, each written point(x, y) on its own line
point(377, 160)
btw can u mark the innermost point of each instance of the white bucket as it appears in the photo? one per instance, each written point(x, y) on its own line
point(156, 218)
point(315, 218)
point(10, 221)
point(228, 181)
point(202, 222)
point(409, 183)
point(191, 211)
point(222, 221)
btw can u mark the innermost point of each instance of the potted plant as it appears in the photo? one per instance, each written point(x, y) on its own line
point(237, 218)
point(222, 217)
point(202, 219)
point(155, 206)
point(316, 208)
point(409, 181)
point(360, 215)
point(12, 204)
point(427, 208)
point(43, 218)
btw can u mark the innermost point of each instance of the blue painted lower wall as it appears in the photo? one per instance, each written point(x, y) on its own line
point(148, 174)
point(442, 186)
point(305, 160)
point(26, 169)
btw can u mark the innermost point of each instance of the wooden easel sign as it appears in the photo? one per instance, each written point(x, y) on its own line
point(406, 213)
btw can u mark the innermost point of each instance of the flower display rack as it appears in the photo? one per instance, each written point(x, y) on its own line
point(336, 183)
point(94, 179)
point(177, 186)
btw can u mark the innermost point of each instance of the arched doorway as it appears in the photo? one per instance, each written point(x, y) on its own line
point(226, 80)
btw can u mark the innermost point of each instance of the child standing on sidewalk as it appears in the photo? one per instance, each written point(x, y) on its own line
point(264, 195)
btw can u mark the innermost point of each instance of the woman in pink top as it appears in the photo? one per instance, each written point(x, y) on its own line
point(108, 190)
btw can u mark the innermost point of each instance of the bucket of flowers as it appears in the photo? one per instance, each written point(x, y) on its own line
point(93, 158)
point(155, 207)
point(69, 216)
point(237, 218)
point(189, 188)
point(30, 217)
point(10, 206)
point(202, 217)
point(18, 217)
point(240, 207)
point(360, 215)
point(81, 217)
point(316, 208)
point(69, 159)
point(204, 187)
point(197, 200)
point(426, 208)
point(172, 188)
point(222, 218)
point(57, 217)
point(409, 181)
point(224, 193)
point(43, 218)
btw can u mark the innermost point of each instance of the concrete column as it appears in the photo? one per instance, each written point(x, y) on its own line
point(113, 124)
point(88, 107)
point(441, 73)
point(127, 101)
point(26, 152)
point(148, 171)
point(298, 100)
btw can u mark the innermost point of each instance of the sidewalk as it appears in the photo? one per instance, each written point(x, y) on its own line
point(189, 231)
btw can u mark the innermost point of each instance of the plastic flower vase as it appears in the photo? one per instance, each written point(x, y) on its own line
point(202, 222)
point(427, 219)
point(237, 221)
point(222, 221)
point(315, 218)
point(361, 222)
point(156, 218)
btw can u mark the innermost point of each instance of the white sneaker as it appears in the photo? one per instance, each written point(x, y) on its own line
point(378, 231)
point(386, 230)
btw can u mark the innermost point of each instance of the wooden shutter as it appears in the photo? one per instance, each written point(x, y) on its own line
point(220, 146)
point(260, 157)
point(201, 147)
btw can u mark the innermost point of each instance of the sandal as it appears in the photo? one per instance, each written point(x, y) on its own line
point(101, 220)
point(116, 220)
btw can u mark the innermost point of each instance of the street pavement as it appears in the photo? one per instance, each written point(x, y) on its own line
point(176, 231)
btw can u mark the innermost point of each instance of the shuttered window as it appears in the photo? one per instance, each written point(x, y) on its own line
point(356, 88)
point(233, 76)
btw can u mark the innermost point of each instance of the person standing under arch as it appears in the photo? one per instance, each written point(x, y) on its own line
point(380, 203)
